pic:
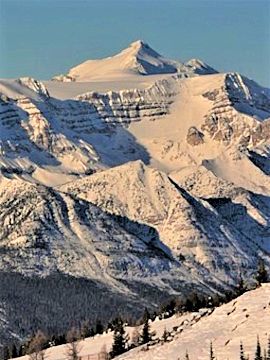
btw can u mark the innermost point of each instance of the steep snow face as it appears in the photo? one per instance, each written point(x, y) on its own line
point(129, 106)
point(138, 58)
point(245, 210)
point(31, 139)
point(186, 225)
point(246, 94)
point(242, 319)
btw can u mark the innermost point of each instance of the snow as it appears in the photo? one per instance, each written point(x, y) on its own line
point(69, 90)
point(200, 67)
point(92, 346)
point(242, 319)
point(23, 87)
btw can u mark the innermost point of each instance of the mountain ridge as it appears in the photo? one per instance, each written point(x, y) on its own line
point(137, 59)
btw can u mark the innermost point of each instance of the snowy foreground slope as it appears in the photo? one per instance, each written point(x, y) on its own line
point(145, 184)
point(242, 319)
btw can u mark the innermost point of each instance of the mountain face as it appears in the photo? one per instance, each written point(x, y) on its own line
point(164, 184)
point(138, 59)
point(183, 222)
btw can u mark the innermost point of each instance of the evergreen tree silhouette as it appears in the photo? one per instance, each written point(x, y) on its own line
point(119, 340)
point(268, 349)
point(211, 357)
point(262, 275)
point(146, 335)
point(258, 353)
point(242, 354)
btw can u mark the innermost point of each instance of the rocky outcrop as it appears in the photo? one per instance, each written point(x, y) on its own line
point(194, 136)
point(126, 106)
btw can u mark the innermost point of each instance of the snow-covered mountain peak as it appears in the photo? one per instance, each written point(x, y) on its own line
point(199, 67)
point(138, 44)
point(137, 59)
point(140, 49)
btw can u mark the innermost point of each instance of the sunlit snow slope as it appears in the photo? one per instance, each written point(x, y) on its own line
point(243, 319)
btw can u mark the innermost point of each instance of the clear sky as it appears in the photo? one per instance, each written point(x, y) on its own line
point(41, 38)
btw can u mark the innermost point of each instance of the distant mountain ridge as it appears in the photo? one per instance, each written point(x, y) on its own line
point(137, 59)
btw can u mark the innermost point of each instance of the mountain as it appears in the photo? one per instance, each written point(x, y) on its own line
point(183, 222)
point(141, 193)
point(138, 59)
point(69, 253)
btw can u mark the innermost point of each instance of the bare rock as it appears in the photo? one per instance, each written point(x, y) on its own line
point(194, 136)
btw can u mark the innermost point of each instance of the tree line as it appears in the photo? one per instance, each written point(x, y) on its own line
point(36, 345)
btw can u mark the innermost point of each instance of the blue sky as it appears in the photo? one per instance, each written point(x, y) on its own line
point(41, 38)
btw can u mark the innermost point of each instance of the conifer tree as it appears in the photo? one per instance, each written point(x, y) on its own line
point(99, 327)
point(212, 356)
point(187, 356)
point(146, 335)
point(242, 354)
point(241, 288)
point(258, 353)
point(119, 340)
point(165, 335)
point(85, 330)
point(5, 353)
point(21, 351)
point(262, 275)
point(268, 349)
point(13, 352)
